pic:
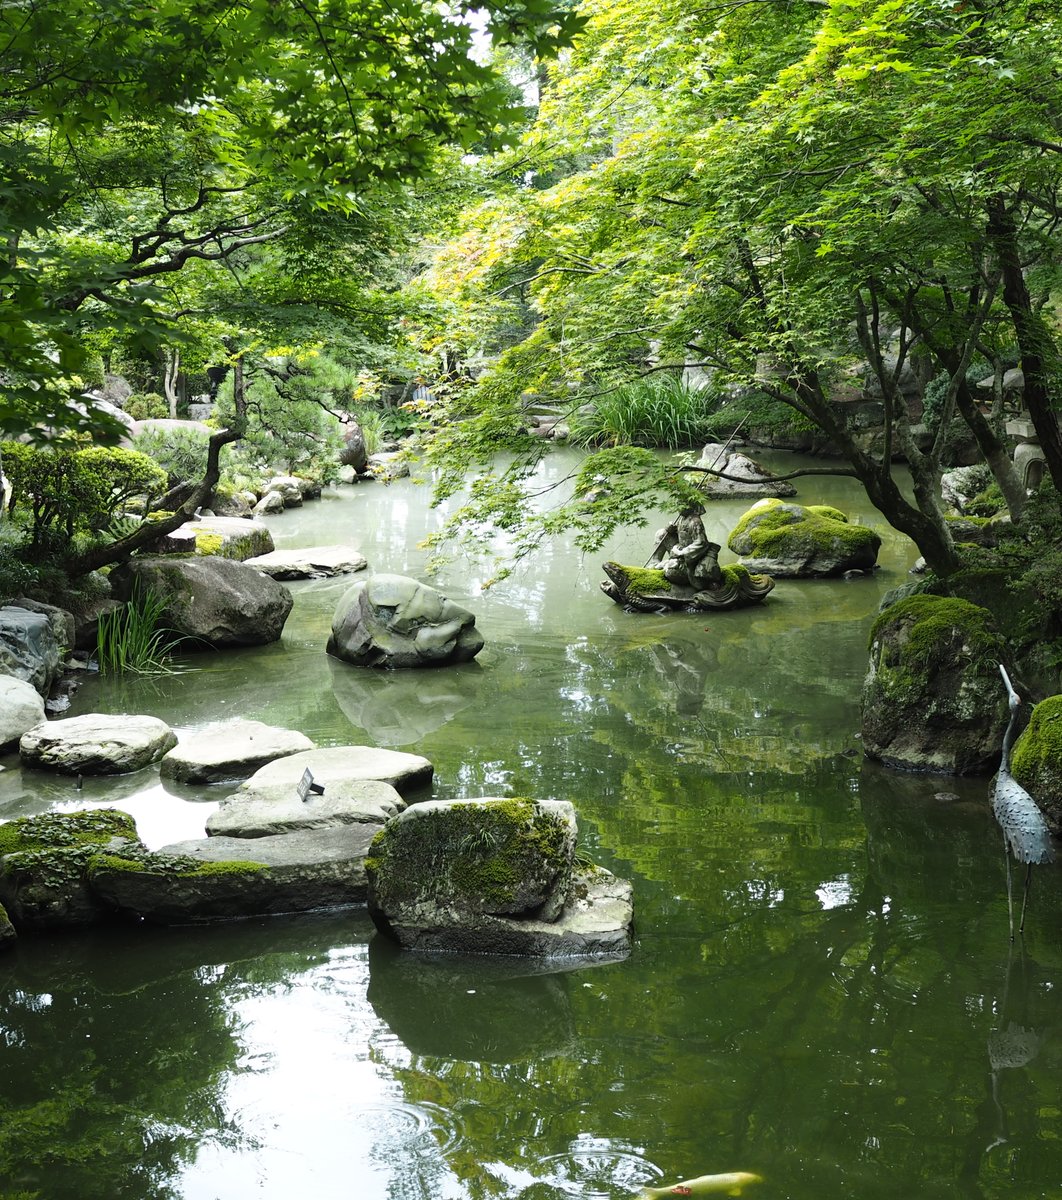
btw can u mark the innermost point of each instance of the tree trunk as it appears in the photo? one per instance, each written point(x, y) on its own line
point(925, 524)
point(1038, 351)
point(169, 380)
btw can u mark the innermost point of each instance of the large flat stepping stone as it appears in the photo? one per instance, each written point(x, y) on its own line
point(314, 562)
point(275, 808)
point(97, 744)
point(230, 750)
point(337, 764)
point(221, 878)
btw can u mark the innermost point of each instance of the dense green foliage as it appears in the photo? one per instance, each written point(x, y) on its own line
point(796, 199)
point(659, 410)
point(64, 492)
point(142, 149)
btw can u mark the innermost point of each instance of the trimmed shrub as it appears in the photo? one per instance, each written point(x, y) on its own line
point(64, 492)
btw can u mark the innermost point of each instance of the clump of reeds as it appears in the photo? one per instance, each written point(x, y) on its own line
point(131, 638)
point(656, 411)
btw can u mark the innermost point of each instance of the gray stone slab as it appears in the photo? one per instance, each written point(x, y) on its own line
point(97, 744)
point(296, 872)
point(596, 921)
point(275, 808)
point(336, 764)
point(240, 538)
point(311, 562)
point(230, 750)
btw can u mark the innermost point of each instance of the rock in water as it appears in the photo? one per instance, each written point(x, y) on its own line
point(493, 876)
point(212, 602)
point(931, 698)
point(97, 744)
point(789, 541)
point(392, 621)
point(21, 708)
point(45, 864)
point(230, 750)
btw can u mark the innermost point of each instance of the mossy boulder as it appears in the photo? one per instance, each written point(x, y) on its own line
point(504, 857)
point(492, 876)
point(792, 541)
point(226, 537)
point(1036, 760)
point(44, 866)
point(932, 698)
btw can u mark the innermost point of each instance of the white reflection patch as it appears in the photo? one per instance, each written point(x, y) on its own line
point(835, 893)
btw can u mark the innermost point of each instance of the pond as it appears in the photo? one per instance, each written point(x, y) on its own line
point(822, 989)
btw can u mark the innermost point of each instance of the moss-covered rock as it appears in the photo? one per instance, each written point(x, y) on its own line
point(225, 537)
point(501, 856)
point(230, 878)
point(44, 866)
point(790, 541)
point(493, 876)
point(932, 698)
point(1036, 760)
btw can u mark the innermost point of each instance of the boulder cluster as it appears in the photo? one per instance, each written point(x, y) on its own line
point(304, 829)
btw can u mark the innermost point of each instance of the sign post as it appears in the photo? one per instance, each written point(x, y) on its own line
point(306, 786)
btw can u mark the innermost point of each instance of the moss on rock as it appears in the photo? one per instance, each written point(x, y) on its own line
point(932, 699)
point(8, 934)
point(789, 539)
point(44, 865)
point(1036, 761)
point(54, 831)
point(930, 623)
point(208, 543)
point(645, 581)
point(183, 866)
point(493, 855)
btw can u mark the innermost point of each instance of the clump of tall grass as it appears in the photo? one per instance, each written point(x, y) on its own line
point(655, 411)
point(129, 639)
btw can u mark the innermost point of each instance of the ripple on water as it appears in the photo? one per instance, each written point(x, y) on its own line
point(412, 1126)
point(604, 1170)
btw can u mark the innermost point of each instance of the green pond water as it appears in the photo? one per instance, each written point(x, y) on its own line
point(822, 989)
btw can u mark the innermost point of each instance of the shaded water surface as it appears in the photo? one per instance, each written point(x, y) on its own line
point(822, 990)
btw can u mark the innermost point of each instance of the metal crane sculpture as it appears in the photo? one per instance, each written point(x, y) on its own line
point(1025, 832)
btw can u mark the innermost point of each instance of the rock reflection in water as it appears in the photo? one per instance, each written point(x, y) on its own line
point(476, 1009)
point(398, 708)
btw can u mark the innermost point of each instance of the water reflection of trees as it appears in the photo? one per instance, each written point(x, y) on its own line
point(825, 1017)
point(116, 1046)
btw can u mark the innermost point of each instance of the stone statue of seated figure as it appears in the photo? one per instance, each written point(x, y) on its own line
point(684, 553)
point(683, 573)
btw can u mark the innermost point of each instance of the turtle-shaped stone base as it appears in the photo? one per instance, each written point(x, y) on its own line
point(645, 589)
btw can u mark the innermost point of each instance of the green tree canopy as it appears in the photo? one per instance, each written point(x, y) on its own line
point(787, 196)
point(136, 142)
